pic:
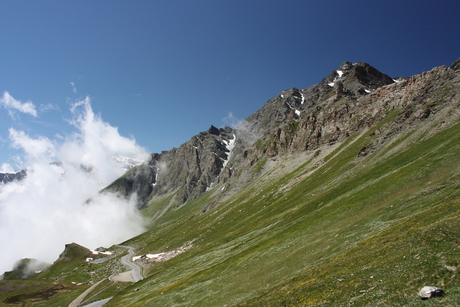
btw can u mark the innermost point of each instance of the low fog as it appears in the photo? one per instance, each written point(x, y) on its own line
point(59, 200)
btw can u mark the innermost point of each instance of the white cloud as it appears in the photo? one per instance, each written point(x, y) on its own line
point(74, 89)
point(243, 128)
point(11, 104)
point(50, 207)
point(231, 121)
point(6, 168)
point(47, 107)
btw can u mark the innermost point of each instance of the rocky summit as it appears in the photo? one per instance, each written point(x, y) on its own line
point(186, 172)
point(10, 177)
point(344, 193)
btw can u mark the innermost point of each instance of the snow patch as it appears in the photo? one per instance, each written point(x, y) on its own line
point(367, 91)
point(107, 253)
point(229, 145)
point(331, 84)
point(297, 112)
point(135, 258)
point(289, 105)
point(340, 73)
point(153, 256)
point(303, 98)
point(396, 81)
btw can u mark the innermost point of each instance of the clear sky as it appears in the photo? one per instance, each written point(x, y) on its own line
point(162, 71)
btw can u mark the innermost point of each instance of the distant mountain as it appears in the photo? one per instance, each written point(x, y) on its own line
point(26, 268)
point(9, 177)
point(345, 193)
point(125, 163)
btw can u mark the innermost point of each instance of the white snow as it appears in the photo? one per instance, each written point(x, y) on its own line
point(101, 253)
point(89, 259)
point(151, 256)
point(367, 91)
point(331, 84)
point(137, 258)
point(395, 80)
point(297, 112)
point(289, 105)
point(303, 98)
point(229, 145)
point(340, 73)
point(282, 96)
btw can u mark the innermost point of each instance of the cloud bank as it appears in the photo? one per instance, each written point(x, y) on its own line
point(59, 200)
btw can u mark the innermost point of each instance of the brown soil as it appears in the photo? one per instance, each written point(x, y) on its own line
point(37, 296)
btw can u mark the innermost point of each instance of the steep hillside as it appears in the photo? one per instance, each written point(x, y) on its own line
point(354, 202)
point(189, 171)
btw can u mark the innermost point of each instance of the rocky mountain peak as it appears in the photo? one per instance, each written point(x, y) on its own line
point(213, 130)
point(9, 177)
point(194, 167)
point(187, 171)
point(356, 79)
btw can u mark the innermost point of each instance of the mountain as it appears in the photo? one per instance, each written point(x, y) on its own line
point(9, 177)
point(25, 268)
point(345, 193)
point(185, 172)
point(294, 122)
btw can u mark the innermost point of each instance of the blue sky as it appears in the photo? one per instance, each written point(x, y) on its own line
point(162, 71)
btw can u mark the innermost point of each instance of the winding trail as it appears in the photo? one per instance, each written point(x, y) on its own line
point(133, 275)
point(82, 296)
point(135, 269)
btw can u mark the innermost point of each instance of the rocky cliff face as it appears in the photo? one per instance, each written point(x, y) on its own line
point(187, 172)
point(350, 98)
point(353, 97)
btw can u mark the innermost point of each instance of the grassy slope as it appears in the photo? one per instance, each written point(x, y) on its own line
point(66, 272)
point(356, 231)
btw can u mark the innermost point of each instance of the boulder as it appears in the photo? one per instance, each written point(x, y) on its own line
point(429, 291)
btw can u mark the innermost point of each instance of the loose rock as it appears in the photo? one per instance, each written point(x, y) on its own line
point(429, 291)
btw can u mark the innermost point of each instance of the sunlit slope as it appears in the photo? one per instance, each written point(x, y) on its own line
point(340, 229)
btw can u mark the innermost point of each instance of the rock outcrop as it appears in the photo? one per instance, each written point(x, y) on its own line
point(327, 113)
point(187, 171)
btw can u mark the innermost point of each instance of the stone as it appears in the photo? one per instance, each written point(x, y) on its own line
point(456, 65)
point(429, 292)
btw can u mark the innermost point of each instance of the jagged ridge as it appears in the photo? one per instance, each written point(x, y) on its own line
point(187, 171)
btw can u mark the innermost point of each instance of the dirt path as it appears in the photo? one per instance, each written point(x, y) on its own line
point(131, 276)
point(82, 296)
point(124, 277)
